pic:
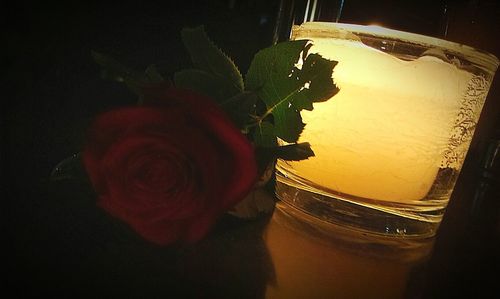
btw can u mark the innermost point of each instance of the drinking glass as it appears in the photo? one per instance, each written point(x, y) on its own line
point(390, 145)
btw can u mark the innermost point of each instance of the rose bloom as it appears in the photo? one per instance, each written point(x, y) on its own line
point(171, 167)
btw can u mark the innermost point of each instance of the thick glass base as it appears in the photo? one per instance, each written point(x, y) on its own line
point(340, 237)
point(374, 218)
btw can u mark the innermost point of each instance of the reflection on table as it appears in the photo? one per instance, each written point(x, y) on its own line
point(315, 260)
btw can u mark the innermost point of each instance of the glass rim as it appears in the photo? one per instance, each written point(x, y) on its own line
point(350, 31)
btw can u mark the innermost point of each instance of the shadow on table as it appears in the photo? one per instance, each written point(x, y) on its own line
point(69, 246)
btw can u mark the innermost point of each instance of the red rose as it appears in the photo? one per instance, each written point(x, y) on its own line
point(170, 169)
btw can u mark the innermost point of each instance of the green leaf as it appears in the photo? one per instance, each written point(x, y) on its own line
point(239, 107)
point(285, 88)
point(295, 152)
point(207, 57)
point(317, 71)
point(264, 135)
point(201, 82)
point(152, 74)
point(291, 152)
point(273, 61)
point(287, 122)
point(114, 70)
point(135, 81)
point(69, 168)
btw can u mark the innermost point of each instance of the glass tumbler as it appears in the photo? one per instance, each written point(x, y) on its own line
point(390, 145)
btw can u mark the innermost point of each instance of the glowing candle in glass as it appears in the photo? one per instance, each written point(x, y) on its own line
point(390, 145)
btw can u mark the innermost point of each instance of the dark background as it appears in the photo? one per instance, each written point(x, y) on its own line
point(52, 89)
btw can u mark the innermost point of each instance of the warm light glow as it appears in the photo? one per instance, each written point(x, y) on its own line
point(314, 267)
point(376, 27)
point(384, 135)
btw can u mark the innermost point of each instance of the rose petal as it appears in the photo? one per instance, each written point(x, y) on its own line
point(200, 226)
point(161, 233)
point(112, 125)
point(116, 159)
point(188, 142)
point(243, 173)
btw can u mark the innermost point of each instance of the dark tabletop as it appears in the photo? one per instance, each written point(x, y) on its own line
point(60, 243)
